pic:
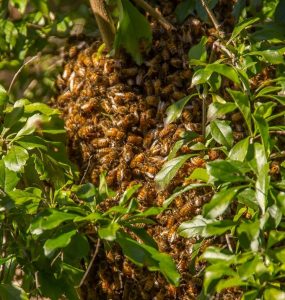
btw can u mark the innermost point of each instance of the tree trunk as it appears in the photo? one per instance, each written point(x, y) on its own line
point(104, 21)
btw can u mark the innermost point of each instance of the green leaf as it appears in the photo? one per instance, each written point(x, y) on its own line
point(217, 255)
point(243, 104)
point(200, 174)
point(169, 170)
point(251, 295)
point(263, 128)
point(11, 292)
point(33, 123)
point(144, 255)
point(222, 132)
point(3, 97)
point(273, 293)
point(8, 178)
point(133, 28)
point(248, 233)
point(227, 170)
point(275, 237)
point(225, 70)
point(213, 274)
point(41, 108)
point(175, 149)
point(201, 76)
point(184, 9)
point(13, 117)
point(174, 111)
point(229, 283)
point(109, 232)
point(241, 26)
point(199, 51)
point(31, 142)
point(273, 56)
point(219, 227)
point(239, 150)
point(30, 194)
point(262, 182)
point(217, 110)
point(219, 203)
point(196, 227)
point(104, 191)
point(180, 191)
point(16, 158)
point(20, 5)
point(49, 219)
point(60, 241)
point(278, 14)
point(128, 194)
point(86, 192)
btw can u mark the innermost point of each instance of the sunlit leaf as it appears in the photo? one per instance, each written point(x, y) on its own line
point(109, 232)
point(169, 169)
point(16, 158)
point(133, 29)
point(8, 178)
point(239, 150)
point(273, 293)
point(199, 51)
point(128, 194)
point(222, 132)
point(174, 111)
point(241, 26)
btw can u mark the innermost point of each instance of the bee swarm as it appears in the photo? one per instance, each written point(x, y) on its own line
point(114, 115)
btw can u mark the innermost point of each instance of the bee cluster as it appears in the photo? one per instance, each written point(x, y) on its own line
point(114, 115)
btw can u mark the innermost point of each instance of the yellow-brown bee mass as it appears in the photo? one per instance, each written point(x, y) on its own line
point(114, 113)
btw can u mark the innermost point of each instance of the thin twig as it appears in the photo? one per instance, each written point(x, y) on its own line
point(86, 170)
point(90, 264)
point(154, 14)
point(213, 19)
point(18, 72)
point(229, 243)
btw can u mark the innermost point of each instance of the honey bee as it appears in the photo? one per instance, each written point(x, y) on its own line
point(167, 130)
point(167, 90)
point(106, 106)
point(111, 177)
point(60, 83)
point(95, 176)
point(148, 285)
point(85, 131)
point(236, 117)
point(178, 133)
point(179, 201)
point(175, 79)
point(87, 61)
point(137, 160)
point(130, 72)
point(143, 193)
point(186, 74)
point(140, 78)
point(196, 26)
point(187, 116)
point(274, 168)
point(109, 158)
point(100, 143)
point(137, 172)
point(127, 121)
point(165, 54)
point(129, 96)
point(149, 171)
point(115, 133)
point(67, 71)
point(177, 95)
point(170, 221)
point(165, 69)
point(157, 86)
point(198, 161)
point(172, 290)
point(127, 269)
point(127, 153)
point(135, 139)
point(89, 106)
point(148, 88)
point(123, 173)
point(152, 100)
point(186, 209)
point(72, 52)
point(213, 154)
point(176, 62)
point(172, 47)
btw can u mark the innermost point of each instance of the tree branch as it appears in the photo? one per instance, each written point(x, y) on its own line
point(154, 14)
point(104, 21)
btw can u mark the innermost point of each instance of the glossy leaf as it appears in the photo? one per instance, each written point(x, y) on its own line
point(243, 104)
point(219, 203)
point(3, 96)
point(241, 26)
point(275, 237)
point(225, 70)
point(217, 255)
point(8, 178)
point(16, 158)
point(174, 111)
point(33, 123)
point(60, 241)
point(133, 29)
point(274, 293)
point(144, 255)
point(200, 174)
point(201, 76)
point(169, 170)
point(14, 116)
point(109, 232)
point(128, 194)
point(196, 227)
point(239, 150)
point(222, 132)
point(199, 51)
point(9, 292)
point(218, 110)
